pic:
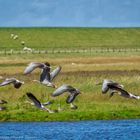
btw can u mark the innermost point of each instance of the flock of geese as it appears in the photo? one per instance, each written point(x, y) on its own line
point(46, 78)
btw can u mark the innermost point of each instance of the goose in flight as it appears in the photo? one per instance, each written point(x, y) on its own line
point(123, 93)
point(38, 104)
point(107, 86)
point(73, 93)
point(17, 84)
point(34, 65)
point(46, 77)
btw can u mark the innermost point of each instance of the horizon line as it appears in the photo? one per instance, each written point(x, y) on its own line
point(69, 26)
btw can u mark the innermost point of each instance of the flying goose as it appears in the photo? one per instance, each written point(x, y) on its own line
point(46, 76)
point(73, 92)
point(38, 104)
point(17, 84)
point(107, 86)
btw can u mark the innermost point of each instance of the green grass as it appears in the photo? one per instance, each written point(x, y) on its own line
point(46, 38)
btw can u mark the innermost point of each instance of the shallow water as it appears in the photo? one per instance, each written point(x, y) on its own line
point(74, 130)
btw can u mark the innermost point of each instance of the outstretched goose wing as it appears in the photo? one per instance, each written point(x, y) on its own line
point(34, 99)
point(62, 89)
point(33, 66)
point(123, 92)
point(55, 72)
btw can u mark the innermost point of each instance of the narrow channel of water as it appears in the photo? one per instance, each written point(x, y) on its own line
point(75, 130)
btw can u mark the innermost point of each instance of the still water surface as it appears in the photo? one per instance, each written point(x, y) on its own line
point(74, 130)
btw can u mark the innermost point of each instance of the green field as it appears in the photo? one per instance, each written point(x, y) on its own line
point(81, 70)
point(46, 38)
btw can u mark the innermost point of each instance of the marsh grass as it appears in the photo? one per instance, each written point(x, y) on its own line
point(84, 74)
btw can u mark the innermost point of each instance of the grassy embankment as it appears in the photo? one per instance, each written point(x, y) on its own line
point(48, 38)
point(83, 74)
